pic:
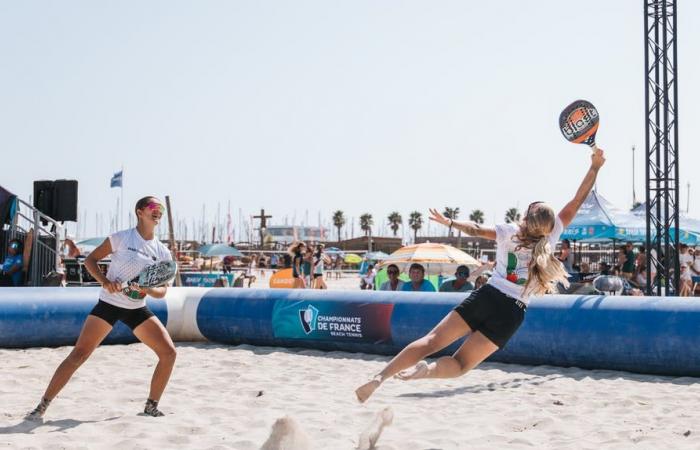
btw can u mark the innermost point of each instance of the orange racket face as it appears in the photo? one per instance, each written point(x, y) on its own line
point(578, 122)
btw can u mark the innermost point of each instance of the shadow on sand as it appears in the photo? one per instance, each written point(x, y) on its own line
point(28, 426)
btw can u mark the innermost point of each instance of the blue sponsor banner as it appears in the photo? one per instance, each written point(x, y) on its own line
point(359, 322)
point(199, 279)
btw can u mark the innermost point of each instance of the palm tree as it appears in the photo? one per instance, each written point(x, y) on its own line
point(366, 223)
point(338, 221)
point(512, 215)
point(452, 214)
point(415, 221)
point(395, 221)
point(477, 216)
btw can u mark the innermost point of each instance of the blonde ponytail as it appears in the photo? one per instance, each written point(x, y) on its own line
point(545, 271)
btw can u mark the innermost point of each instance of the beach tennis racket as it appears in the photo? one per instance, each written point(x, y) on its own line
point(578, 123)
point(155, 275)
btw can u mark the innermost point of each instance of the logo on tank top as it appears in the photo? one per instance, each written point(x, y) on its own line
point(516, 270)
point(142, 253)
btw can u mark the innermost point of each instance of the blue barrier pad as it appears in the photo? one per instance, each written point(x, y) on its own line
point(53, 317)
point(638, 334)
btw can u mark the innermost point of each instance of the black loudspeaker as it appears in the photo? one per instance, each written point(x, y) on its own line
point(43, 196)
point(65, 200)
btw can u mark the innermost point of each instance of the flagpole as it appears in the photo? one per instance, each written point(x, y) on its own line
point(121, 213)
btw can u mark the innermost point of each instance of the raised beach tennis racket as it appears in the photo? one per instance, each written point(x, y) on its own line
point(578, 123)
point(155, 275)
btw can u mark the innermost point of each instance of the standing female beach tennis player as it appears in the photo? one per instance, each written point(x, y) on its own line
point(525, 266)
point(132, 250)
point(296, 251)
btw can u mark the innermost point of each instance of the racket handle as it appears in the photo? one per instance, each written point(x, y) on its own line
point(594, 147)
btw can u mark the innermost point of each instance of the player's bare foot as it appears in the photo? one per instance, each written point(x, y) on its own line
point(365, 391)
point(416, 372)
point(369, 437)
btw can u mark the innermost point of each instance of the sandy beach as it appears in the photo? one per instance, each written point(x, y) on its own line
point(229, 397)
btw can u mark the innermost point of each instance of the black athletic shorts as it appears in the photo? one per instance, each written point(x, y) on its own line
point(318, 275)
point(493, 313)
point(131, 317)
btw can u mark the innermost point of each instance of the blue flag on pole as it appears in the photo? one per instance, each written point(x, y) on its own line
point(116, 180)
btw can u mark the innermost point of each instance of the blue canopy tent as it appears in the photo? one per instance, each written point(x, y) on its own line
point(689, 232)
point(600, 221)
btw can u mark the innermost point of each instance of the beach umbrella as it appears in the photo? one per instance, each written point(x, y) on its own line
point(218, 250)
point(92, 242)
point(212, 250)
point(333, 251)
point(376, 256)
point(352, 258)
point(436, 258)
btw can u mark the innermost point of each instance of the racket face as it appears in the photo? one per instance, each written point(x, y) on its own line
point(578, 122)
point(157, 274)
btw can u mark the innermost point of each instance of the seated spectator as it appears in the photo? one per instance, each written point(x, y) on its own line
point(686, 262)
point(641, 278)
point(239, 282)
point(227, 264)
point(686, 281)
point(12, 266)
point(695, 270)
point(627, 261)
point(480, 281)
point(367, 280)
point(418, 282)
point(393, 283)
point(566, 257)
point(641, 260)
point(604, 268)
point(221, 282)
point(460, 283)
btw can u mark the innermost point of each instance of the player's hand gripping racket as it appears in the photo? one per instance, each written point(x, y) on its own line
point(578, 123)
point(155, 275)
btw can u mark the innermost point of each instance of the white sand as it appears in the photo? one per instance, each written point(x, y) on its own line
point(229, 397)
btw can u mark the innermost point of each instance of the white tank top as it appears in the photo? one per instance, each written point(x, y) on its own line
point(130, 255)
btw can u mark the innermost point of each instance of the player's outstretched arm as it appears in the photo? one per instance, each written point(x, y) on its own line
point(567, 214)
point(471, 228)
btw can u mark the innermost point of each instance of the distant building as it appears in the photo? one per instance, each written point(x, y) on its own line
point(289, 234)
point(359, 244)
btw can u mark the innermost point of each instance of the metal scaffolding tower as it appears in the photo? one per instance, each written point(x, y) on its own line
point(662, 186)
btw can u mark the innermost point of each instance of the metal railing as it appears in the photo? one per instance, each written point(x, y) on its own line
point(44, 257)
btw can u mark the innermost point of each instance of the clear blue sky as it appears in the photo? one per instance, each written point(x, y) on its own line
point(362, 106)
